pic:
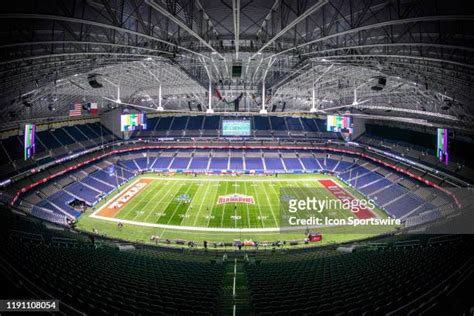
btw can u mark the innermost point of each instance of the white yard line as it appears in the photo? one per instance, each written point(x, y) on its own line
point(178, 205)
point(194, 228)
point(257, 194)
point(270, 205)
point(139, 198)
point(297, 189)
point(200, 206)
point(161, 208)
point(271, 179)
point(216, 194)
point(247, 206)
point(224, 205)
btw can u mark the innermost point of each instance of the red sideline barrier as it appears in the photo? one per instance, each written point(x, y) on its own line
point(117, 151)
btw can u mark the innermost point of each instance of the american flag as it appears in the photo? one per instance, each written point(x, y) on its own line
point(75, 110)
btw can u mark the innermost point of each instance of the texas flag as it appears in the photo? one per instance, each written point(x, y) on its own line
point(92, 108)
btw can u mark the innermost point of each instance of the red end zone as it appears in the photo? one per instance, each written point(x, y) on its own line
point(362, 211)
point(115, 205)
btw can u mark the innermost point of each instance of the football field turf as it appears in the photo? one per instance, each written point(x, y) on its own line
point(212, 204)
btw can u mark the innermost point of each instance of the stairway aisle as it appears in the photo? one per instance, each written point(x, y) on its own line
point(235, 298)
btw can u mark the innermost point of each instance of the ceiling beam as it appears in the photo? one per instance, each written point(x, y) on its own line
point(170, 16)
point(14, 16)
point(391, 108)
point(206, 17)
point(236, 15)
point(267, 17)
point(337, 57)
point(293, 23)
point(83, 43)
point(380, 25)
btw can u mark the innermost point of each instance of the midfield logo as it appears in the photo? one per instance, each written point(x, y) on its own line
point(235, 198)
point(186, 198)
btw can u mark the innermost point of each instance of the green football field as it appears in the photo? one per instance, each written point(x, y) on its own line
point(217, 208)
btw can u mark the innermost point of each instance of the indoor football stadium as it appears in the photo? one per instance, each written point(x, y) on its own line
point(237, 157)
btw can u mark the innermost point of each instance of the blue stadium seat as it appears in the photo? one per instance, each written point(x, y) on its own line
point(142, 163)
point(212, 122)
point(75, 133)
point(180, 163)
point(61, 199)
point(151, 123)
point(83, 192)
point(278, 123)
point(292, 164)
point(195, 122)
point(219, 163)
point(236, 163)
point(261, 123)
point(164, 123)
point(253, 163)
point(162, 163)
point(179, 123)
point(321, 125)
point(310, 164)
point(274, 164)
point(14, 147)
point(309, 124)
point(3, 155)
point(88, 131)
point(199, 163)
point(99, 129)
point(92, 182)
point(294, 124)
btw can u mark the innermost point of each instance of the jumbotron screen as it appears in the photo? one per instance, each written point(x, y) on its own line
point(132, 122)
point(340, 124)
point(236, 128)
point(442, 148)
point(29, 141)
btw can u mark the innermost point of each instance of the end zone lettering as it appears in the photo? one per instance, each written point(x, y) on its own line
point(130, 193)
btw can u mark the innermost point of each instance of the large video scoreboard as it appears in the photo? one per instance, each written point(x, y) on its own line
point(132, 122)
point(236, 127)
point(340, 124)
